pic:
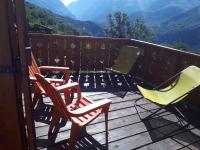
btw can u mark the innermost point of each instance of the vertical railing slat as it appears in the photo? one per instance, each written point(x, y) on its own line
point(155, 64)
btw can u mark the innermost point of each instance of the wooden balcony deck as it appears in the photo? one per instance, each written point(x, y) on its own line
point(126, 130)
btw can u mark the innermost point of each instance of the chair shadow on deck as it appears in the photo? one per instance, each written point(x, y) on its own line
point(160, 127)
point(84, 141)
point(43, 113)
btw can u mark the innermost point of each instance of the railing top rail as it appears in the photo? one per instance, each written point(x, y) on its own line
point(139, 43)
point(155, 63)
point(144, 44)
point(75, 36)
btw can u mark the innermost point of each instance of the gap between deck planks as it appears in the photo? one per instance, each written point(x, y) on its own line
point(126, 130)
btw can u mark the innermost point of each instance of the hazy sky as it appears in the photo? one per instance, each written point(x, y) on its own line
point(67, 2)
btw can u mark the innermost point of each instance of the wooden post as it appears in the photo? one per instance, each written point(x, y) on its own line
point(24, 55)
point(14, 131)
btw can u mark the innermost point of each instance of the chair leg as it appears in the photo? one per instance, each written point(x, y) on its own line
point(36, 97)
point(54, 120)
point(67, 96)
point(75, 130)
point(149, 116)
point(106, 128)
point(72, 95)
point(106, 122)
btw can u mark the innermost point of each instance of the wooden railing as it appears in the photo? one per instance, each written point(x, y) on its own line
point(155, 64)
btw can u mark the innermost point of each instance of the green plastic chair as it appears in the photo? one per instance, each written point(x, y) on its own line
point(125, 60)
point(185, 81)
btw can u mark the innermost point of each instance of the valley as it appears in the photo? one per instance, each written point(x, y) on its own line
point(171, 21)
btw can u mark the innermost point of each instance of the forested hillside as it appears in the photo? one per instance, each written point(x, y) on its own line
point(38, 16)
point(183, 28)
point(55, 6)
point(173, 21)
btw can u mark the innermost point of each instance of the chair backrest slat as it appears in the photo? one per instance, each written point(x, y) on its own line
point(126, 59)
point(33, 68)
point(53, 94)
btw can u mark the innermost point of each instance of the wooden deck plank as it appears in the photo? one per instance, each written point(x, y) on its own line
point(116, 124)
point(167, 144)
point(183, 139)
point(121, 114)
point(126, 130)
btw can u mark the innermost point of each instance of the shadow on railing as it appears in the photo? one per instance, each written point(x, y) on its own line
point(155, 64)
point(103, 81)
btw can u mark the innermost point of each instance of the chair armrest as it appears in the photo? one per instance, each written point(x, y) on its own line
point(104, 104)
point(64, 87)
point(52, 80)
point(66, 70)
point(70, 86)
point(52, 68)
point(32, 78)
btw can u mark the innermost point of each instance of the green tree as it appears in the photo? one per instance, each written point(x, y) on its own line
point(119, 26)
point(140, 31)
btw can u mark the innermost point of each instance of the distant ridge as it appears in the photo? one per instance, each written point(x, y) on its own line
point(171, 20)
point(55, 6)
point(155, 10)
point(86, 27)
point(55, 22)
point(184, 28)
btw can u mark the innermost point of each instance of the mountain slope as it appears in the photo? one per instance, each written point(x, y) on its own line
point(86, 27)
point(155, 18)
point(38, 17)
point(155, 10)
point(97, 10)
point(160, 11)
point(185, 28)
point(55, 6)
point(186, 20)
point(60, 24)
point(184, 4)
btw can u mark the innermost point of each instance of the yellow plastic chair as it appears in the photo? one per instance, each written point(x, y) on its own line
point(185, 81)
point(125, 60)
